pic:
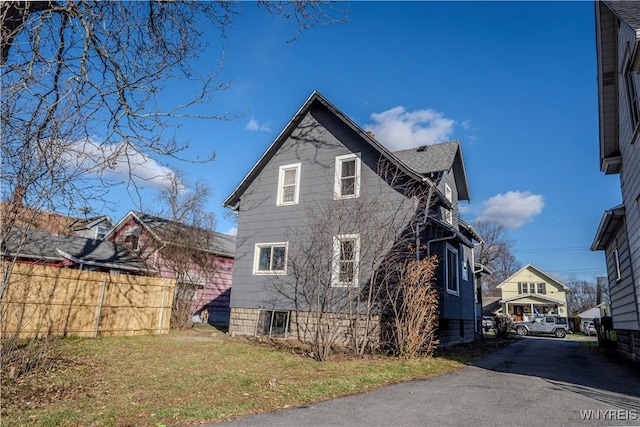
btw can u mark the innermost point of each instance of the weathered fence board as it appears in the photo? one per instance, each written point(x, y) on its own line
point(40, 301)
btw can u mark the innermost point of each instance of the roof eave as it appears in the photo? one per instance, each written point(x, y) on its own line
point(610, 221)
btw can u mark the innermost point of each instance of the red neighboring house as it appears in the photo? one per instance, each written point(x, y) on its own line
point(201, 260)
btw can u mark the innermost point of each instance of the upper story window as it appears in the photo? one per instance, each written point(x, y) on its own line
point(346, 257)
point(270, 258)
point(448, 214)
point(451, 271)
point(630, 82)
point(531, 288)
point(101, 232)
point(347, 181)
point(632, 94)
point(288, 185)
point(132, 238)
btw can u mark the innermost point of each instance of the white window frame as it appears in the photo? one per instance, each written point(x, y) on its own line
point(296, 192)
point(256, 258)
point(335, 269)
point(337, 189)
point(633, 97)
point(448, 215)
point(104, 229)
point(453, 250)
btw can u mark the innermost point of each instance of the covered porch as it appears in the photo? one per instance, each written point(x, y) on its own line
point(527, 307)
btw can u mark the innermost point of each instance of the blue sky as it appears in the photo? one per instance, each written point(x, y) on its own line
point(516, 82)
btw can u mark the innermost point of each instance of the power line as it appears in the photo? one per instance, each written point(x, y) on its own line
point(544, 250)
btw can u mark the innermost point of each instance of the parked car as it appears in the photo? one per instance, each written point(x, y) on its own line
point(588, 328)
point(554, 325)
point(488, 323)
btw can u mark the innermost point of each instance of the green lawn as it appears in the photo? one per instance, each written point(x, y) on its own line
point(194, 376)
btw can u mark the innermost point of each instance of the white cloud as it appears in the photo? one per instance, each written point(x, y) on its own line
point(398, 129)
point(233, 231)
point(119, 162)
point(254, 126)
point(512, 209)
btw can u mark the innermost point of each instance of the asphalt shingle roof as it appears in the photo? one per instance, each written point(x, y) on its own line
point(39, 244)
point(165, 230)
point(429, 158)
point(627, 11)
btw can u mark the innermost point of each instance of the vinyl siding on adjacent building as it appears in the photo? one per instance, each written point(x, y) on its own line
point(627, 298)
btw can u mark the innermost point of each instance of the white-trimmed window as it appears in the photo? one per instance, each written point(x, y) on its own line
point(347, 181)
point(101, 232)
point(632, 96)
point(532, 288)
point(270, 258)
point(288, 185)
point(451, 271)
point(448, 214)
point(346, 256)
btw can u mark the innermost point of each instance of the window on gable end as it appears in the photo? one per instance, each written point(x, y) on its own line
point(632, 90)
point(347, 180)
point(288, 185)
point(448, 215)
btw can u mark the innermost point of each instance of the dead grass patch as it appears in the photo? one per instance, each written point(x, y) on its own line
point(189, 377)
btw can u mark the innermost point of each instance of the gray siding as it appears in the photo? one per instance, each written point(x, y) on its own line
point(316, 142)
point(623, 301)
point(630, 184)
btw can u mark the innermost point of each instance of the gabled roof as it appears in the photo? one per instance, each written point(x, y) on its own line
point(610, 223)
point(164, 230)
point(43, 246)
point(435, 158)
point(317, 99)
point(540, 273)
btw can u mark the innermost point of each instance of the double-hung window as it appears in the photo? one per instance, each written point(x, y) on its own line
point(270, 258)
point(346, 254)
point(347, 181)
point(448, 213)
point(288, 185)
point(632, 97)
point(452, 271)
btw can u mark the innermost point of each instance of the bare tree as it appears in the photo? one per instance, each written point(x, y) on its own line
point(582, 296)
point(187, 237)
point(81, 85)
point(495, 254)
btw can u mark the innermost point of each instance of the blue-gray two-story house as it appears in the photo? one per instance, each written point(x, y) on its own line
point(326, 189)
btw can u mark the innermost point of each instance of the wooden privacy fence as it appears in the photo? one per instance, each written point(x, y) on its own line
point(41, 301)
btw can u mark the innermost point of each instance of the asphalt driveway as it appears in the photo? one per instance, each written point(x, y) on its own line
point(533, 382)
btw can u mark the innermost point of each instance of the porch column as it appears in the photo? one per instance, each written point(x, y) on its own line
point(533, 313)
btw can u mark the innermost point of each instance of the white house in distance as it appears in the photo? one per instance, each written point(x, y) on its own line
point(531, 292)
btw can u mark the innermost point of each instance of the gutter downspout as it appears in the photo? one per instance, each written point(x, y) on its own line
point(440, 239)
